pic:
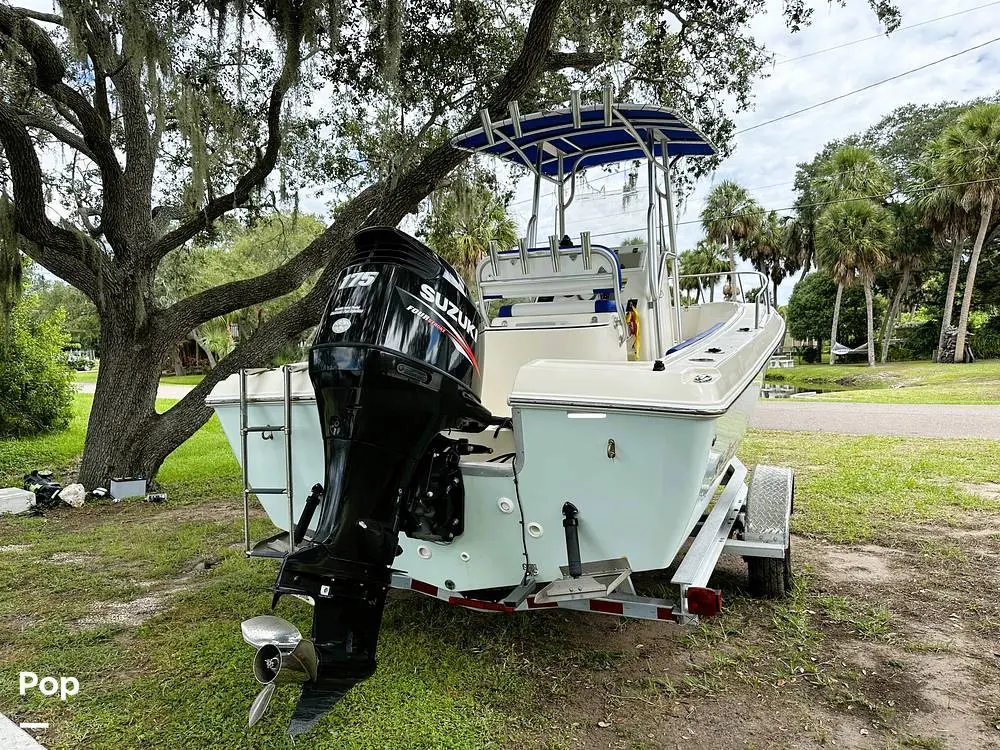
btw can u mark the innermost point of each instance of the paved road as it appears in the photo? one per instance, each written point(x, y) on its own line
point(165, 391)
point(925, 420)
point(921, 420)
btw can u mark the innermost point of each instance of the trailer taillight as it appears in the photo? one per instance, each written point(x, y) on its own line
point(704, 602)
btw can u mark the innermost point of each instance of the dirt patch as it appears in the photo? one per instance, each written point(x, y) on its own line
point(865, 564)
point(73, 558)
point(135, 612)
point(908, 661)
point(988, 490)
point(8, 548)
point(200, 512)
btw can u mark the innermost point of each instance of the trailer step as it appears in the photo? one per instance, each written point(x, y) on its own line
point(597, 579)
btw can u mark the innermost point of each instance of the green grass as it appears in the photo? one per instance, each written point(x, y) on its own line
point(91, 377)
point(50, 450)
point(862, 489)
point(183, 679)
point(447, 678)
point(897, 382)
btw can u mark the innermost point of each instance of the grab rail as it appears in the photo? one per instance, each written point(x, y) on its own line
point(764, 281)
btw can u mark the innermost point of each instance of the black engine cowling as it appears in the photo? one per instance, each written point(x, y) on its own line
point(392, 364)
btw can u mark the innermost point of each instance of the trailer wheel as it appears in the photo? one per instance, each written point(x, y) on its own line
point(771, 577)
point(770, 502)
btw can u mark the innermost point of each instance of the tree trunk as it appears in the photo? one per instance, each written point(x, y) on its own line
point(711, 293)
point(890, 320)
point(731, 252)
point(177, 359)
point(836, 320)
point(869, 310)
point(124, 410)
point(970, 278)
point(949, 300)
point(775, 293)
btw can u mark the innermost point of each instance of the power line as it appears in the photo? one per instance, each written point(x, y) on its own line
point(882, 36)
point(865, 88)
point(764, 211)
point(704, 202)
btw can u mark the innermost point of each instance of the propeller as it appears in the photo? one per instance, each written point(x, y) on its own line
point(264, 629)
point(260, 703)
point(283, 656)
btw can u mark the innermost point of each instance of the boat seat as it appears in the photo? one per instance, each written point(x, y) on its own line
point(502, 351)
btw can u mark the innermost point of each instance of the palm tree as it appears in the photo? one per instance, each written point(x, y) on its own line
point(690, 267)
point(911, 250)
point(854, 185)
point(949, 224)
point(462, 221)
point(852, 172)
point(968, 159)
point(797, 244)
point(770, 252)
point(729, 216)
point(710, 259)
point(852, 241)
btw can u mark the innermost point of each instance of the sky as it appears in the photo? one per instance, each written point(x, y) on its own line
point(764, 159)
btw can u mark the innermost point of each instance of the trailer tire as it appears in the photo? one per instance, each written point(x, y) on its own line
point(771, 577)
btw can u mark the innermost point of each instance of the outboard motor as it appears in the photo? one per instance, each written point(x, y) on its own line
point(391, 363)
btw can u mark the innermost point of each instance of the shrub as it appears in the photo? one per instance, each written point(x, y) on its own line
point(985, 344)
point(36, 386)
point(810, 355)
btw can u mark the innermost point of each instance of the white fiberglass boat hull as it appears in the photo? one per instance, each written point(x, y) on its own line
point(636, 469)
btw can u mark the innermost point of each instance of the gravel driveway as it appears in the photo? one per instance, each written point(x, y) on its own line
point(923, 420)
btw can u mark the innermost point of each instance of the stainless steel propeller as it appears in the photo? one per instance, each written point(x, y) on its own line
point(264, 629)
point(261, 702)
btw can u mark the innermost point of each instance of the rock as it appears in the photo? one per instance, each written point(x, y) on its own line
point(73, 494)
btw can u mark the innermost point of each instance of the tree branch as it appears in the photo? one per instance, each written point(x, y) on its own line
point(39, 16)
point(184, 316)
point(61, 251)
point(255, 176)
point(47, 76)
point(584, 61)
point(68, 137)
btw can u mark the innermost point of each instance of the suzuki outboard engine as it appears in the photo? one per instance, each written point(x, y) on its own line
point(391, 364)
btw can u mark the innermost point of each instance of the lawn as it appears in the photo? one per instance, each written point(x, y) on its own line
point(168, 668)
point(897, 382)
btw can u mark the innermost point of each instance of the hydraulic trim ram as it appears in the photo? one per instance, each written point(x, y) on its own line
point(391, 364)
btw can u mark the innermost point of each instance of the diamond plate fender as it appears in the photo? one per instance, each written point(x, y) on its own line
point(769, 505)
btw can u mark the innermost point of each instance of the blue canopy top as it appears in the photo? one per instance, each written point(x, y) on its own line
point(592, 143)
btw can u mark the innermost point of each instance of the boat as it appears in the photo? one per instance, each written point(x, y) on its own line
point(527, 444)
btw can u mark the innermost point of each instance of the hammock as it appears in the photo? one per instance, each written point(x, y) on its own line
point(840, 350)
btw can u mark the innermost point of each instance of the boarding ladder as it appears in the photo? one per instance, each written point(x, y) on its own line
point(281, 543)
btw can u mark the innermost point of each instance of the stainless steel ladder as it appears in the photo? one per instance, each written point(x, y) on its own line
point(270, 547)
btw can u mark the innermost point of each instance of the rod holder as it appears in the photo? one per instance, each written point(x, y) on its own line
point(493, 258)
point(554, 252)
point(608, 94)
point(585, 243)
point(515, 118)
point(522, 254)
point(574, 103)
point(484, 115)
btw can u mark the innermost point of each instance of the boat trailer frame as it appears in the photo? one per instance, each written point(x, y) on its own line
point(748, 521)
